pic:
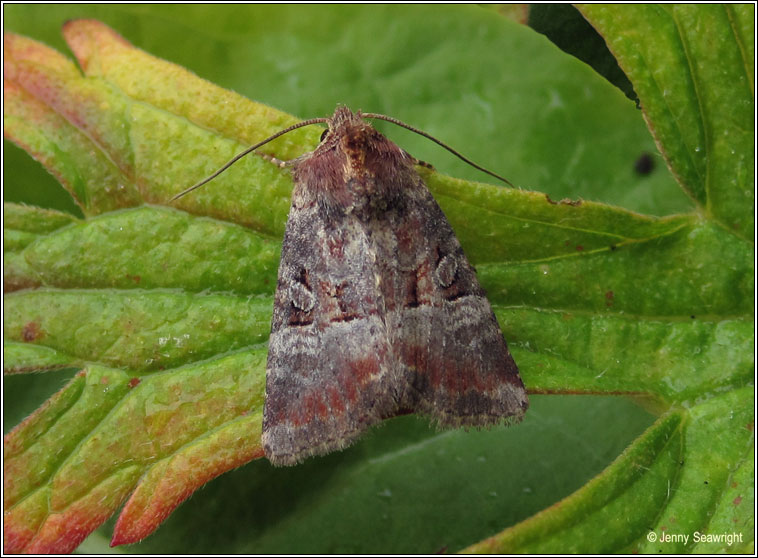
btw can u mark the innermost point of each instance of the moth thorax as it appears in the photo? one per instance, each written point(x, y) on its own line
point(356, 144)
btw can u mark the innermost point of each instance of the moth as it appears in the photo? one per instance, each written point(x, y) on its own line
point(377, 311)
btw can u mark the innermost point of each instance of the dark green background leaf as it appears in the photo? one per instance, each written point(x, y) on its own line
point(512, 101)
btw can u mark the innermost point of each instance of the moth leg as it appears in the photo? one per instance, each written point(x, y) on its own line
point(271, 159)
point(418, 162)
point(424, 164)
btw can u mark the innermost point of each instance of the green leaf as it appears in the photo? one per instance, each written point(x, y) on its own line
point(149, 247)
point(165, 310)
point(693, 74)
point(636, 486)
point(639, 499)
point(139, 330)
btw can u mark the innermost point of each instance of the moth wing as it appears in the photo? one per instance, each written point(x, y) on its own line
point(329, 356)
point(456, 364)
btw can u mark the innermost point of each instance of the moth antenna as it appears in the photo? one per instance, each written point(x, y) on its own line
point(246, 151)
point(438, 142)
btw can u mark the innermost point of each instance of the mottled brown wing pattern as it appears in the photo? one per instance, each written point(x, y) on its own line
point(329, 356)
point(377, 310)
point(446, 340)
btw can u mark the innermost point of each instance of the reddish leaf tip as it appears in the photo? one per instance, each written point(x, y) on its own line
point(155, 499)
point(87, 37)
point(15, 536)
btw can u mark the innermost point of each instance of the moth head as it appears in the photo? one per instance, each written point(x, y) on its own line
point(349, 129)
point(342, 122)
point(356, 140)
